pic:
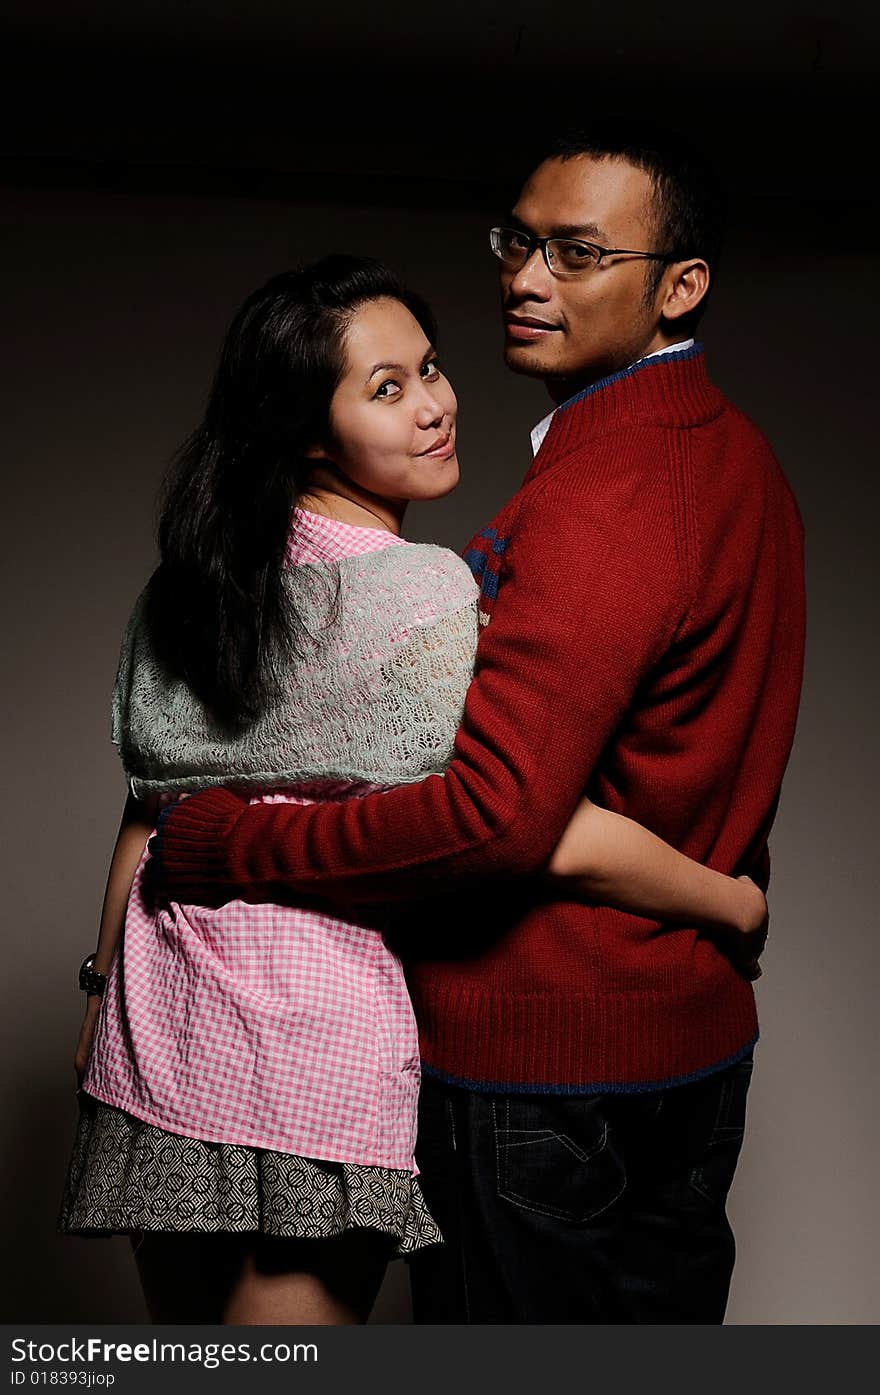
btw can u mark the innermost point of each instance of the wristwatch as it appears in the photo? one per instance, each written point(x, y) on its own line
point(90, 981)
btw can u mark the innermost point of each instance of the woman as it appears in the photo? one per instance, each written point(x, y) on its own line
point(250, 1086)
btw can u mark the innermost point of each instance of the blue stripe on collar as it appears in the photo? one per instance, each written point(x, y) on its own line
point(696, 348)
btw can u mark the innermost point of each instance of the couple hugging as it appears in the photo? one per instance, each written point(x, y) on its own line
point(477, 843)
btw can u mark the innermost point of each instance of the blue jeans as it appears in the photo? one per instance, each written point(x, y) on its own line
point(602, 1208)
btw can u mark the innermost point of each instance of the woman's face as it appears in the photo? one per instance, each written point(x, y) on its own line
point(392, 418)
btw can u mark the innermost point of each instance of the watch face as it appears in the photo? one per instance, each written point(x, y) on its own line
point(89, 980)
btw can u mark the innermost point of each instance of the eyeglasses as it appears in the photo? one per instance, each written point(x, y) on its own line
point(565, 256)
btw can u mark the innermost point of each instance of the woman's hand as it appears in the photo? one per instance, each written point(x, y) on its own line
point(86, 1034)
point(744, 942)
point(612, 861)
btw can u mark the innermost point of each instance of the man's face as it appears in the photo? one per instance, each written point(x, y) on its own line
point(573, 331)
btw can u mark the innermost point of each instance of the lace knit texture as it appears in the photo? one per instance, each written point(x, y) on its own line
point(281, 1027)
point(376, 697)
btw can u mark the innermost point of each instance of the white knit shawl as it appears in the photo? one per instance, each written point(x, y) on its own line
point(374, 697)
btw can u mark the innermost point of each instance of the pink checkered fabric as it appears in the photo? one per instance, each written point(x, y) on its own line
point(314, 538)
point(277, 1027)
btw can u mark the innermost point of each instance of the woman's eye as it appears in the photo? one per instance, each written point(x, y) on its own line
point(387, 389)
point(431, 371)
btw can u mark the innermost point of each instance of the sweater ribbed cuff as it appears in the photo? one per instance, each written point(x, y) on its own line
point(192, 846)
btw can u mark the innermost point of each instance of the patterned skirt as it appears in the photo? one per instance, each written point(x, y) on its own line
point(128, 1176)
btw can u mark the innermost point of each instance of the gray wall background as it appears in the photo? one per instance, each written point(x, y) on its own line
point(113, 320)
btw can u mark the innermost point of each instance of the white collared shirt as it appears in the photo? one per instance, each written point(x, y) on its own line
point(540, 431)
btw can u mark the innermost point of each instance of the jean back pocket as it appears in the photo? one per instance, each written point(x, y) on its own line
point(556, 1156)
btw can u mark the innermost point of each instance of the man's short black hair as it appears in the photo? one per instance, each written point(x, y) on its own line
point(689, 202)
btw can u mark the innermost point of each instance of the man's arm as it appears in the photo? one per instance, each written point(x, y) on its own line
point(590, 597)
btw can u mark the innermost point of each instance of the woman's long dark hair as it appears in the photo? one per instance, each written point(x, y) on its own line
point(217, 605)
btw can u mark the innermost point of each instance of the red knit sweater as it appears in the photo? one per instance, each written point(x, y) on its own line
point(644, 590)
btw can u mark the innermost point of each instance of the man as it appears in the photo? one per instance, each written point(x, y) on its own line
point(585, 1070)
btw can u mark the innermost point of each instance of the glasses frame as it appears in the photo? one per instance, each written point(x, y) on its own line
point(544, 242)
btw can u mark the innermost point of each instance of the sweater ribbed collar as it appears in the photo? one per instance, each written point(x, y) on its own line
point(671, 390)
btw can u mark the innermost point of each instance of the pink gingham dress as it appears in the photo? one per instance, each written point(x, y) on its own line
point(271, 1026)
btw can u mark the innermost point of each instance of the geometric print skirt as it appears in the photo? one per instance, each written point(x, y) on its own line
point(126, 1175)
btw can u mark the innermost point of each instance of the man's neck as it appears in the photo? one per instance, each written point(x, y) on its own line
point(543, 426)
point(561, 389)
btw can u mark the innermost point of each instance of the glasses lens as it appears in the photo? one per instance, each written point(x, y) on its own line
point(511, 246)
point(568, 258)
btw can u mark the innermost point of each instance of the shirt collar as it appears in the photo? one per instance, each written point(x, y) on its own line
point(540, 431)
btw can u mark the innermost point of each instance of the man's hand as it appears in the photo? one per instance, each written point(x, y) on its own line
point(187, 851)
point(154, 844)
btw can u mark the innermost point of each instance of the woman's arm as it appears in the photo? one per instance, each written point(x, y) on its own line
point(138, 822)
point(617, 862)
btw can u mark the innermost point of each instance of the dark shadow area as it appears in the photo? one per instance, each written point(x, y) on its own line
point(404, 111)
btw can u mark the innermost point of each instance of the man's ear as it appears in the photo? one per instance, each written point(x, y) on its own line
point(686, 283)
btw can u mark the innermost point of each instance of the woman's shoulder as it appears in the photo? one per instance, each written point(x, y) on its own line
point(369, 559)
point(421, 566)
point(316, 540)
point(389, 590)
